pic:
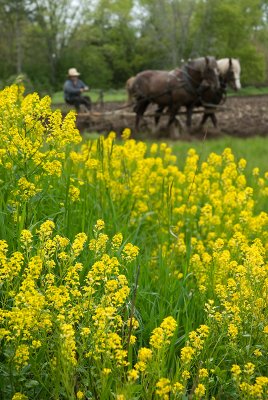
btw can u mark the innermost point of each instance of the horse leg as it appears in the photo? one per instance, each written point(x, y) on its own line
point(158, 114)
point(173, 111)
point(210, 115)
point(214, 120)
point(189, 113)
point(204, 118)
point(172, 116)
point(139, 109)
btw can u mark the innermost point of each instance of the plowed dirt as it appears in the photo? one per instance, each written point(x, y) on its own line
point(239, 116)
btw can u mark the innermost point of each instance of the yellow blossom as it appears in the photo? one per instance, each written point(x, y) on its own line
point(126, 134)
point(200, 390)
point(130, 252)
point(163, 388)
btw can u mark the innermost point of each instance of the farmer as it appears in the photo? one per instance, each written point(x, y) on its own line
point(73, 89)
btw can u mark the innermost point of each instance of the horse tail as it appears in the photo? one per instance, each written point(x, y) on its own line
point(129, 89)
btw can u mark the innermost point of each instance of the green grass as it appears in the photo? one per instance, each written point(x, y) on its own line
point(254, 150)
point(249, 91)
point(95, 95)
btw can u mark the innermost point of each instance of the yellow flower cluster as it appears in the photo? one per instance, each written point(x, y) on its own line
point(48, 299)
point(161, 336)
point(250, 387)
point(33, 143)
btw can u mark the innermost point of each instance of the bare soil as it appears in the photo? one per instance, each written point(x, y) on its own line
point(239, 116)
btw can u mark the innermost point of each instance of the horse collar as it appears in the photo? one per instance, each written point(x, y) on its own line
point(188, 80)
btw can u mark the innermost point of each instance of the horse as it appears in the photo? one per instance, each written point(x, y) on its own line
point(229, 74)
point(174, 89)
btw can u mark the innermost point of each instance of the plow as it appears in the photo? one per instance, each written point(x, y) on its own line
point(117, 119)
point(240, 116)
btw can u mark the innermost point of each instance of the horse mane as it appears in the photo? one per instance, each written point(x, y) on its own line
point(223, 65)
point(201, 62)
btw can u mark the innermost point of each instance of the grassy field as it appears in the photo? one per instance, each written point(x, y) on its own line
point(253, 149)
point(95, 95)
point(250, 91)
point(129, 270)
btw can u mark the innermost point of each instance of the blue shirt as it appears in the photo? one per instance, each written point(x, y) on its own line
point(71, 91)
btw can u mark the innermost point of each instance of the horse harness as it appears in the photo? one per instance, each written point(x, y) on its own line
point(185, 80)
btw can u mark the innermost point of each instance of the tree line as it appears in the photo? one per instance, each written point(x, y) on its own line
point(111, 40)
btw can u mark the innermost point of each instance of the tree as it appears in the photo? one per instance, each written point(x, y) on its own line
point(14, 16)
point(227, 29)
point(58, 21)
point(166, 26)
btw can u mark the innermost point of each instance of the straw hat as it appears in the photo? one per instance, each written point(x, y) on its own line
point(73, 72)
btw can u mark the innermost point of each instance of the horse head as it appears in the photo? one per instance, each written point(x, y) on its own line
point(230, 72)
point(210, 74)
point(204, 72)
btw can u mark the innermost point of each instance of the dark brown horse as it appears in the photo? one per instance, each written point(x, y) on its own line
point(229, 70)
point(180, 87)
point(229, 74)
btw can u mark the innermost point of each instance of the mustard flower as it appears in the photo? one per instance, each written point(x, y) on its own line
point(92, 163)
point(200, 390)
point(46, 229)
point(262, 380)
point(26, 238)
point(117, 241)
point(232, 331)
point(78, 243)
point(36, 344)
point(203, 373)
point(257, 353)
point(163, 388)
point(236, 371)
point(126, 134)
point(161, 336)
point(144, 354)
point(255, 171)
point(53, 167)
point(68, 345)
point(74, 193)
point(112, 135)
point(19, 396)
point(22, 355)
point(133, 375)
point(187, 353)
point(99, 226)
point(106, 371)
point(80, 395)
point(249, 368)
point(130, 252)
point(85, 331)
point(178, 388)
point(27, 189)
point(242, 163)
point(120, 397)
point(185, 374)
